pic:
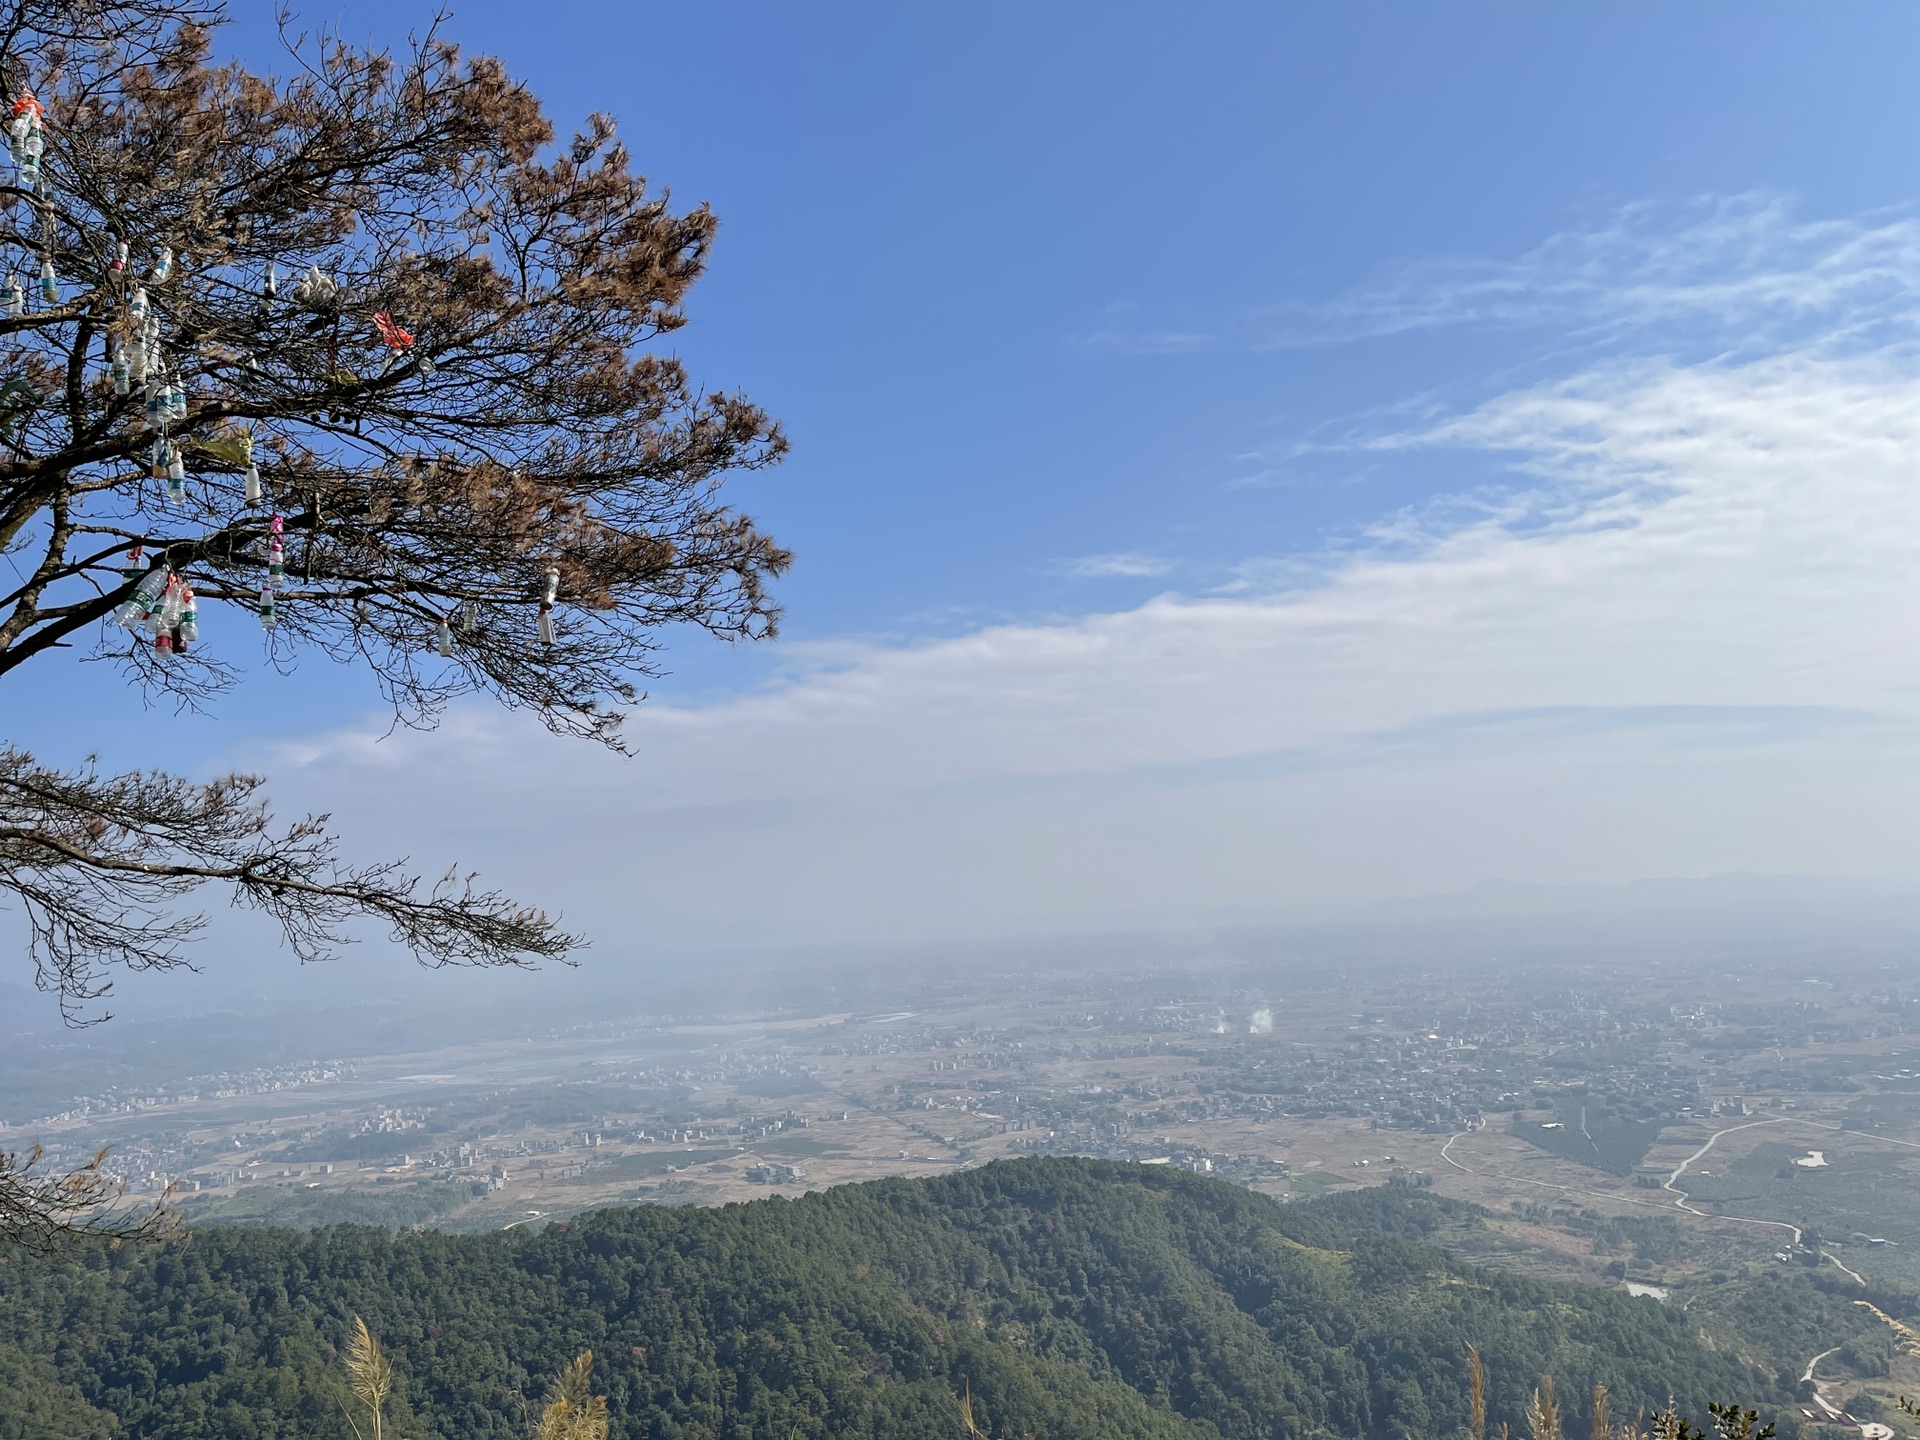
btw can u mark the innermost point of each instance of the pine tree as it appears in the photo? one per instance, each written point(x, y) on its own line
point(353, 363)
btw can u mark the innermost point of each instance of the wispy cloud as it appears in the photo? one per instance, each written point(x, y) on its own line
point(1746, 268)
point(1104, 567)
point(1686, 642)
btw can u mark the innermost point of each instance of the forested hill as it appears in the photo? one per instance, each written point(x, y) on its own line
point(1074, 1298)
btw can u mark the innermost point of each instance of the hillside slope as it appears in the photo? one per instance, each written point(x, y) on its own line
point(1075, 1298)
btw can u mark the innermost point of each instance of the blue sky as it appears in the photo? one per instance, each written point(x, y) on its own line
point(1342, 417)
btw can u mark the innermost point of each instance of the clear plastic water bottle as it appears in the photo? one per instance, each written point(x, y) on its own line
point(189, 619)
point(172, 603)
point(120, 372)
point(49, 286)
point(254, 492)
point(443, 639)
point(157, 461)
point(177, 399)
point(267, 617)
point(16, 298)
point(139, 605)
point(163, 267)
point(137, 306)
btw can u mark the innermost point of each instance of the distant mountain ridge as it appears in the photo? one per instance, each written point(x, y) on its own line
point(1069, 1298)
point(1661, 894)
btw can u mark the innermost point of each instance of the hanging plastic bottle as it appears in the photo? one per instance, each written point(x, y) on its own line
point(156, 403)
point(177, 399)
point(157, 461)
point(254, 491)
point(25, 125)
point(165, 616)
point(119, 371)
point(135, 566)
point(29, 116)
point(547, 598)
point(163, 267)
point(16, 298)
point(469, 615)
point(276, 554)
point(137, 360)
point(443, 638)
point(137, 305)
point(267, 616)
point(424, 361)
point(117, 267)
point(189, 626)
point(29, 171)
point(270, 291)
point(176, 476)
point(49, 286)
point(139, 605)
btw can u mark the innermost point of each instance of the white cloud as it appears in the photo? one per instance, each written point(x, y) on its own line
point(1744, 263)
point(1690, 642)
point(1103, 567)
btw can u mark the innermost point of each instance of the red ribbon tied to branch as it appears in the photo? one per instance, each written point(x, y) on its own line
point(27, 105)
point(390, 332)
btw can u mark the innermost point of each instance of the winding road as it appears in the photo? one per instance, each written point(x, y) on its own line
point(1681, 1169)
point(1681, 1197)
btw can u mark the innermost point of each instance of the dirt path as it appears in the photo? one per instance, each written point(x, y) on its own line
point(1446, 1154)
point(1681, 1169)
point(1806, 1376)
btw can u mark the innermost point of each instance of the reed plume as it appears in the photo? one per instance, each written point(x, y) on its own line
point(966, 1410)
point(1543, 1412)
point(573, 1411)
point(370, 1378)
